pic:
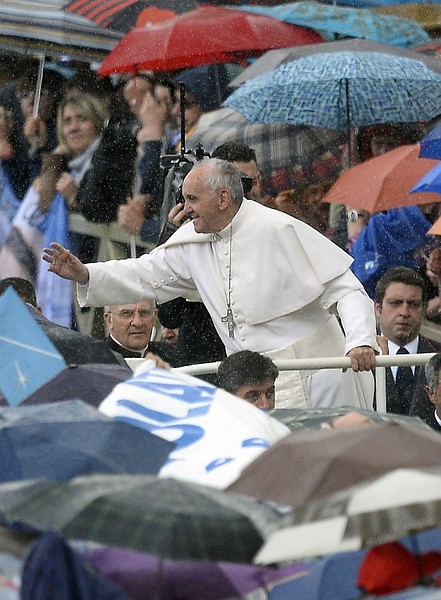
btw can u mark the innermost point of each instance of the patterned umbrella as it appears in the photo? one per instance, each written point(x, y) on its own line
point(341, 90)
point(168, 518)
point(333, 21)
point(35, 27)
point(293, 154)
point(274, 58)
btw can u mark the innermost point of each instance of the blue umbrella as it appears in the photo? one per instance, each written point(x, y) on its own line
point(333, 21)
point(341, 90)
point(431, 144)
point(65, 439)
point(431, 182)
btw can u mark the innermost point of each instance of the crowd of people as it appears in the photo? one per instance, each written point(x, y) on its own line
point(233, 271)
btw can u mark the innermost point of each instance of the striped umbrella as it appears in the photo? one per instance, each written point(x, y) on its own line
point(33, 27)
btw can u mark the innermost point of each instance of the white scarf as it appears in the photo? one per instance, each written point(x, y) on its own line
point(79, 165)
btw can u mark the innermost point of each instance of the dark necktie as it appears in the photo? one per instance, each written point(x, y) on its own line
point(404, 383)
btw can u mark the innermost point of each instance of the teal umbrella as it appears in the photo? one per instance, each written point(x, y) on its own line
point(340, 21)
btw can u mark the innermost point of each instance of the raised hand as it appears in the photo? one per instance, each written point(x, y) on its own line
point(63, 263)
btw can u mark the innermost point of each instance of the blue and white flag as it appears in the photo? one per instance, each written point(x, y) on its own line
point(216, 434)
point(28, 359)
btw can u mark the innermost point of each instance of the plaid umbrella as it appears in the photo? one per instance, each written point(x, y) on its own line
point(331, 21)
point(287, 155)
point(274, 58)
point(34, 27)
point(168, 518)
point(341, 90)
point(387, 508)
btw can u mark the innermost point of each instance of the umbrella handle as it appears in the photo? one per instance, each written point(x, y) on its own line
point(34, 145)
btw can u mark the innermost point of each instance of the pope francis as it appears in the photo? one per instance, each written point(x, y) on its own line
point(271, 284)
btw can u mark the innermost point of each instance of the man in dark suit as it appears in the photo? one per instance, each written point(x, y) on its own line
point(400, 301)
point(130, 329)
point(428, 406)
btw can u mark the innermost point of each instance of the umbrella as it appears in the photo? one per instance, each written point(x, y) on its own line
point(168, 518)
point(125, 14)
point(430, 182)
point(313, 418)
point(307, 465)
point(31, 28)
point(383, 182)
point(90, 383)
point(64, 439)
point(274, 58)
point(140, 575)
point(431, 144)
point(303, 153)
point(341, 90)
point(428, 15)
point(333, 21)
point(208, 34)
point(392, 506)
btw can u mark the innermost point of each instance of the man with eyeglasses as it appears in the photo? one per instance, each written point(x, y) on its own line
point(130, 328)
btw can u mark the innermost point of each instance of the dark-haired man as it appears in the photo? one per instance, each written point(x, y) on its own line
point(250, 376)
point(400, 300)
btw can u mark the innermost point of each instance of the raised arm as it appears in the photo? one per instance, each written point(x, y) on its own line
point(65, 264)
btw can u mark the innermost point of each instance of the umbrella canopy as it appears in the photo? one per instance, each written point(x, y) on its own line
point(383, 182)
point(29, 28)
point(274, 58)
point(206, 35)
point(64, 439)
point(341, 90)
point(307, 465)
point(125, 14)
point(165, 517)
point(390, 507)
point(309, 418)
point(307, 153)
point(430, 145)
point(431, 182)
point(90, 383)
point(428, 15)
point(142, 574)
point(333, 20)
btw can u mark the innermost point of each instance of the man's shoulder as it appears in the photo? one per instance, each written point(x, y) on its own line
point(428, 345)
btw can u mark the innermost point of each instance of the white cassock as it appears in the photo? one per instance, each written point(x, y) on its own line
point(284, 282)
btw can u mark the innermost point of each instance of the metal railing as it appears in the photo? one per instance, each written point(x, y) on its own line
point(313, 364)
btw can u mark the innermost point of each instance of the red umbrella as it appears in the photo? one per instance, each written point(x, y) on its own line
point(383, 182)
point(209, 34)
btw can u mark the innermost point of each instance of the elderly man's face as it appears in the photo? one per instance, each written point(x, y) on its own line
point(202, 203)
point(131, 324)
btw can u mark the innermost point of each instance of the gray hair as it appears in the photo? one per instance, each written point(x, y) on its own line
point(431, 370)
point(223, 175)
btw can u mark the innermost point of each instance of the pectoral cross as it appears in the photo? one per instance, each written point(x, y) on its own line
point(228, 319)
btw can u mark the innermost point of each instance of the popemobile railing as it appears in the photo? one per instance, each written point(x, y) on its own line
point(313, 364)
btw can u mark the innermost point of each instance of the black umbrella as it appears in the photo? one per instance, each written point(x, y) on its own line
point(168, 518)
point(90, 383)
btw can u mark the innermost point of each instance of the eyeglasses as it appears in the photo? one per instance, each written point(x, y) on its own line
point(129, 315)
